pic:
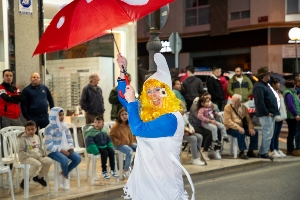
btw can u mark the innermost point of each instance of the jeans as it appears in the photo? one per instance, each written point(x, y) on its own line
point(274, 142)
point(107, 152)
point(267, 129)
point(64, 161)
point(241, 139)
point(214, 130)
point(127, 150)
point(196, 141)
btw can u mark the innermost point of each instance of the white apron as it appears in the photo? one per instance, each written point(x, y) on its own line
point(157, 172)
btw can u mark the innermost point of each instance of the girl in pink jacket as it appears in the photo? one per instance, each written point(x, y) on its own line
point(206, 115)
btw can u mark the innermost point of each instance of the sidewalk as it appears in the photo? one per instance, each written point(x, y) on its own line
point(110, 189)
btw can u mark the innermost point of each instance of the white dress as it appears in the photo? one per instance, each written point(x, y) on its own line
point(157, 173)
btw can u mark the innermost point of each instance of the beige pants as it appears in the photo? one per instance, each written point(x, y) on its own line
point(45, 162)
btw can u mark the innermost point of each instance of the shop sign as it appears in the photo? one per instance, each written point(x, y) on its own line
point(25, 7)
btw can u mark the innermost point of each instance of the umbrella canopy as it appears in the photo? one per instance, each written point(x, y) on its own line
point(84, 20)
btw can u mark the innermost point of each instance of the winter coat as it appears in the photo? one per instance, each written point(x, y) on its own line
point(231, 120)
point(244, 89)
point(115, 103)
point(192, 87)
point(264, 100)
point(95, 139)
point(92, 100)
point(215, 89)
point(121, 134)
point(10, 97)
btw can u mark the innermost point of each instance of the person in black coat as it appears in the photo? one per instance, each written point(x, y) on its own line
point(214, 88)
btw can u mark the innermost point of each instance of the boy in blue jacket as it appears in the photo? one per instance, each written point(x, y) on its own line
point(97, 141)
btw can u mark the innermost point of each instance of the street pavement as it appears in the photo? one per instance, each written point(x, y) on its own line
point(270, 183)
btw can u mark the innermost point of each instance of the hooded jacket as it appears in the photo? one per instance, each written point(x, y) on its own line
point(29, 147)
point(54, 132)
point(192, 87)
point(121, 134)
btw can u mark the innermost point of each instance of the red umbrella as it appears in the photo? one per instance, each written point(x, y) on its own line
point(84, 20)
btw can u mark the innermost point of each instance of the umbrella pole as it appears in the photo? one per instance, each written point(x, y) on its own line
point(113, 37)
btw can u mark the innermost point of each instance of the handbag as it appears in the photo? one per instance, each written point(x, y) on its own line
point(283, 114)
point(244, 120)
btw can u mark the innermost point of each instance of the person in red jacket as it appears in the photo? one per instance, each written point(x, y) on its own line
point(10, 97)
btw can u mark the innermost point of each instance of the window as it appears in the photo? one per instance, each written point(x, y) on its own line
point(240, 15)
point(292, 6)
point(196, 12)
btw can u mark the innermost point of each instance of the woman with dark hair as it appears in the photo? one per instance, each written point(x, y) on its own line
point(123, 139)
point(293, 112)
point(275, 151)
point(176, 87)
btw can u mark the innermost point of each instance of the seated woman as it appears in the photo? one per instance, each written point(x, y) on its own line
point(195, 139)
point(233, 115)
point(206, 134)
point(123, 139)
point(60, 146)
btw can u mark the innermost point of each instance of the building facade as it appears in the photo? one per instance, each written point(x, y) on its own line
point(230, 33)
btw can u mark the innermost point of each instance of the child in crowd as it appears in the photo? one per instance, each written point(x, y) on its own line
point(97, 141)
point(207, 117)
point(59, 145)
point(123, 139)
point(30, 153)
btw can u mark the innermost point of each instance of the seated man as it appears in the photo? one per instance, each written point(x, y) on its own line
point(233, 115)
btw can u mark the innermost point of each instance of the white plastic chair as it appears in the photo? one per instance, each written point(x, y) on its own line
point(89, 157)
point(77, 148)
point(56, 165)
point(6, 169)
point(109, 125)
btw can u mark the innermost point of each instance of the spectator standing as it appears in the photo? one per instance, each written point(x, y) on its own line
point(192, 87)
point(10, 97)
point(214, 88)
point(92, 100)
point(266, 109)
point(114, 101)
point(240, 84)
point(293, 112)
point(233, 115)
point(224, 83)
point(35, 104)
point(274, 146)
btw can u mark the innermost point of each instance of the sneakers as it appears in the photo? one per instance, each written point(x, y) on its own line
point(217, 155)
point(61, 180)
point(217, 142)
point(67, 183)
point(266, 156)
point(205, 155)
point(275, 154)
point(114, 173)
point(105, 175)
point(126, 174)
point(281, 153)
point(198, 162)
point(225, 139)
point(40, 180)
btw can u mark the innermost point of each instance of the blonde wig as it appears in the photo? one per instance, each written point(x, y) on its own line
point(170, 102)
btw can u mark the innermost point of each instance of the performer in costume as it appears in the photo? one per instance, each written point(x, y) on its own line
point(156, 122)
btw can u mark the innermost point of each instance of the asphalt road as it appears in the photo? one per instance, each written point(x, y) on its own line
point(270, 183)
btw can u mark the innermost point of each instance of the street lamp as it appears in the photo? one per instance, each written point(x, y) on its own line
point(294, 35)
